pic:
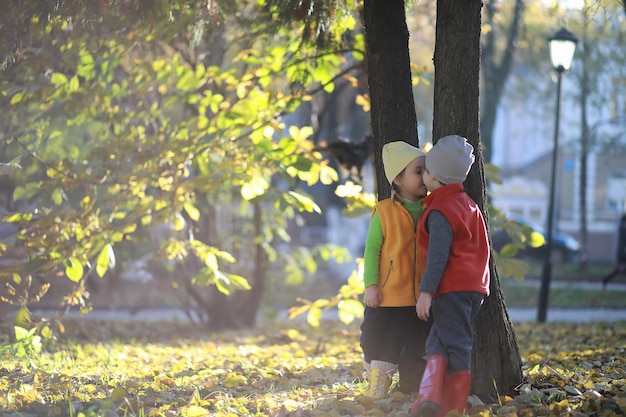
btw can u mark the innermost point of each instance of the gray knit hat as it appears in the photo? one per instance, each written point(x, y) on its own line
point(450, 159)
point(396, 156)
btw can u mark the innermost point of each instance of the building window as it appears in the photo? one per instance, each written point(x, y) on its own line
point(618, 99)
point(616, 194)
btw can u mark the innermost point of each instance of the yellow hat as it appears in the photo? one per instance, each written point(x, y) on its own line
point(396, 156)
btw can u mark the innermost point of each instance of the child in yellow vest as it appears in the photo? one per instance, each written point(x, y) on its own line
point(392, 266)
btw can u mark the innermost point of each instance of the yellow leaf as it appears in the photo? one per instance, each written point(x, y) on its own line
point(314, 316)
point(73, 269)
point(328, 175)
point(165, 380)
point(22, 318)
point(589, 384)
point(118, 394)
point(349, 310)
point(192, 211)
point(178, 223)
point(195, 411)
point(106, 260)
point(290, 404)
point(254, 188)
point(364, 102)
point(233, 380)
point(58, 78)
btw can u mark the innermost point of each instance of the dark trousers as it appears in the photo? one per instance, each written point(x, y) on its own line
point(384, 330)
point(451, 334)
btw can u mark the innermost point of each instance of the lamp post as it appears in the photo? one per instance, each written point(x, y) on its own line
point(562, 48)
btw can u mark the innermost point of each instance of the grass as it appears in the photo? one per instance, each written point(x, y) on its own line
point(570, 287)
point(573, 272)
point(526, 294)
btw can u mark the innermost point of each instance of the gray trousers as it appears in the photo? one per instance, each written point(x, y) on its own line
point(451, 334)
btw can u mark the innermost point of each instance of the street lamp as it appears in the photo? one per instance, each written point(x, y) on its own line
point(562, 48)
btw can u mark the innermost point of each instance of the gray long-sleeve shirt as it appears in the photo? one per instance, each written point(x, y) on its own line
point(439, 243)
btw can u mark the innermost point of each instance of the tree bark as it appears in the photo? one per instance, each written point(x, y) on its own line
point(393, 114)
point(585, 89)
point(496, 362)
point(393, 118)
point(249, 302)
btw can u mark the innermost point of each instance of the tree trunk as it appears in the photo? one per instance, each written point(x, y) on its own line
point(585, 89)
point(239, 309)
point(249, 302)
point(393, 114)
point(393, 118)
point(496, 360)
point(494, 74)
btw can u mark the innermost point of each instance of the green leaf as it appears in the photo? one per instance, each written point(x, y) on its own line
point(17, 217)
point(74, 84)
point(305, 203)
point(512, 268)
point(26, 192)
point(17, 97)
point(57, 196)
point(302, 164)
point(509, 250)
point(192, 211)
point(58, 79)
point(73, 269)
point(210, 261)
point(239, 282)
point(221, 283)
point(106, 260)
point(47, 332)
point(21, 333)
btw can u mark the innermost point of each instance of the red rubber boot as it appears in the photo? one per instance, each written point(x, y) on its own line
point(428, 400)
point(456, 388)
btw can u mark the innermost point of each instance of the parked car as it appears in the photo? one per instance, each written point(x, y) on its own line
point(565, 247)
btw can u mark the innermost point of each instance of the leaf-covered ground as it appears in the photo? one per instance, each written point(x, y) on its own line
point(288, 369)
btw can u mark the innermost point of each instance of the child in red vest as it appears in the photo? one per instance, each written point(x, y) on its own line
point(453, 239)
point(392, 267)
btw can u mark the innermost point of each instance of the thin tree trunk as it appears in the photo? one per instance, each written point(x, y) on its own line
point(496, 360)
point(494, 74)
point(250, 301)
point(585, 89)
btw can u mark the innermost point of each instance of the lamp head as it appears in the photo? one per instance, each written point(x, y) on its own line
point(562, 48)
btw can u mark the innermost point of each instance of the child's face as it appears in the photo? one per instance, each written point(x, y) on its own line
point(410, 182)
point(430, 181)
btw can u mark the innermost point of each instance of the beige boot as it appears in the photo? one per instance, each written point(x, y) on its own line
point(368, 370)
point(380, 378)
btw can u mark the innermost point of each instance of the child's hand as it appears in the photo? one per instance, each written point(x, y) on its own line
point(423, 305)
point(373, 296)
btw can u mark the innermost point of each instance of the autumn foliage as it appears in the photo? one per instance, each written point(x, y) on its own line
point(285, 369)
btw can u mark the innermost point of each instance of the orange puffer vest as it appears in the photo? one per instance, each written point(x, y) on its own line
point(401, 267)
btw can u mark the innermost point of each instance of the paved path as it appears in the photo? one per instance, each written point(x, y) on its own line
point(521, 315)
point(517, 315)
